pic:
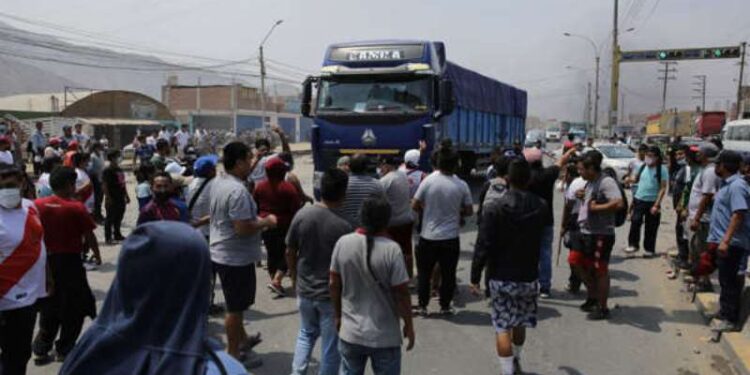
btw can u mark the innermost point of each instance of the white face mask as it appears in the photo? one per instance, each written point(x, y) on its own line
point(10, 198)
point(649, 161)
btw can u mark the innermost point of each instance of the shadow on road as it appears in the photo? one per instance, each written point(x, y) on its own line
point(569, 370)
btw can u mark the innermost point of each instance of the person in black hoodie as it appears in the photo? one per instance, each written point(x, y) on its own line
point(509, 241)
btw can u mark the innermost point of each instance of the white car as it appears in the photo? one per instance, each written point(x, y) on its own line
point(615, 157)
point(553, 134)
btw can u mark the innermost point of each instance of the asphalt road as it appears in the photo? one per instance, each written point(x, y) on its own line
point(654, 329)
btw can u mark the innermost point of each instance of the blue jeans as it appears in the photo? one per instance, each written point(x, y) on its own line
point(545, 258)
point(385, 361)
point(316, 320)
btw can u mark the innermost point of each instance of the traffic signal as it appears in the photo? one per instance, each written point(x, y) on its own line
point(722, 53)
point(670, 55)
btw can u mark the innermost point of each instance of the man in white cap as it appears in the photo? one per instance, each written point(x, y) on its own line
point(412, 171)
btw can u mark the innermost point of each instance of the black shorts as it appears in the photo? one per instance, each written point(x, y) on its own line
point(238, 285)
point(597, 249)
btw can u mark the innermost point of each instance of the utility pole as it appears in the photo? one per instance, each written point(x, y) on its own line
point(701, 83)
point(263, 73)
point(739, 83)
point(666, 78)
point(588, 108)
point(615, 82)
point(622, 108)
point(596, 100)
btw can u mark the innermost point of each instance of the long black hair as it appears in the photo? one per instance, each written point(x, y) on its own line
point(375, 214)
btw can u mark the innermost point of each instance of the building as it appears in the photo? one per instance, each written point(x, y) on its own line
point(234, 108)
point(118, 115)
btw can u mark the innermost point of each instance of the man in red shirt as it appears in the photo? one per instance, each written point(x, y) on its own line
point(68, 233)
point(276, 196)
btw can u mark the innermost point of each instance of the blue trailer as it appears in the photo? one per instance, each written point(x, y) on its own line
point(383, 97)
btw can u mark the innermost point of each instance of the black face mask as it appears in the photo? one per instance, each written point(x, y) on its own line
point(161, 196)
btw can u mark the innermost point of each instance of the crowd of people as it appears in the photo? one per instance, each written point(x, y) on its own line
point(381, 227)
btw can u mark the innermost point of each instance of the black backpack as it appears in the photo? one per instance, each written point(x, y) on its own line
point(621, 216)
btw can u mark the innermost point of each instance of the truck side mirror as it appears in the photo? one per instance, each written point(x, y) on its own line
point(306, 105)
point(446, 97)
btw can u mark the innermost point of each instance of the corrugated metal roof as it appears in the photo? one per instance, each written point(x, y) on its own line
point(40, 102)
point(117, 121)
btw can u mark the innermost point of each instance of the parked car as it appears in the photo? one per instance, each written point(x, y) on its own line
point(535, 136)
point(615, 157)
point(553, 134)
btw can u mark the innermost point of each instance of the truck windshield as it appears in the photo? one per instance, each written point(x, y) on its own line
point(375, 95)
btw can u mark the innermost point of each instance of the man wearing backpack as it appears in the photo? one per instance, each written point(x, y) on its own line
point(652, 185)
point(603, 200)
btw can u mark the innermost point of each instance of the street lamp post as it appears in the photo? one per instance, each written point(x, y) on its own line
point(263, 73)
point(596, 83)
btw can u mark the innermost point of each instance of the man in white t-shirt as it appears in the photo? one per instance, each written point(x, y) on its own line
point(182, 138)
point(444, 200)
point(22, 253)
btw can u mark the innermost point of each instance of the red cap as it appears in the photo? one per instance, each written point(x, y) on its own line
point(4, 139)
point(73, 145)
point(54, 141)
point(276, 168)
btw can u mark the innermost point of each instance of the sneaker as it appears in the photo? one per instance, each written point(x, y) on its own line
point(545, 294)
point(278, 289)
point(119, 238)
point(420, 311)
point(648, 255)
point(447, 311)
point(631, 249)
point(682, 264)
point(43, 359)
point(599, 313)
point(572, 289)
point(589, 305)
point(109, 242)
point(59, 357)
point(720, 325)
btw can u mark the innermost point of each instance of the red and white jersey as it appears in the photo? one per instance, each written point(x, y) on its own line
point(23, 257)
point(84, 189)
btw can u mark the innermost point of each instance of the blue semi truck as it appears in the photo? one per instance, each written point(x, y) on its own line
point(383, 97)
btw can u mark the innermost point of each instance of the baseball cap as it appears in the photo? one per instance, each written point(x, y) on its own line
point(532, 154)
point(205, 164)
point(412, 157)
point(4, 139)
point(73, 145)
point(709, 150)
point(54, 141)
point(175, 168)
point(344, 160)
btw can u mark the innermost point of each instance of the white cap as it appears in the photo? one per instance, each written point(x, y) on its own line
point(412, 156)
point(174, 168)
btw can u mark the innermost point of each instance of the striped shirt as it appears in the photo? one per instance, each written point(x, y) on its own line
point(360, 188)
point(22, 257)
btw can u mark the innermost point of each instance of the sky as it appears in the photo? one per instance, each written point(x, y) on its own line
point(519, 42)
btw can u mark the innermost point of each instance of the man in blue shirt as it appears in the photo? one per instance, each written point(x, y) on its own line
point(652, 185)
point(730, 234)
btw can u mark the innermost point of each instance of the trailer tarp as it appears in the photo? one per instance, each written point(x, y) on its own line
point(480, 93)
